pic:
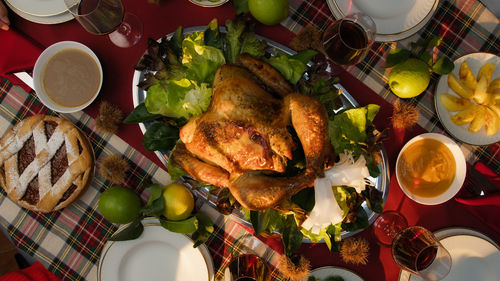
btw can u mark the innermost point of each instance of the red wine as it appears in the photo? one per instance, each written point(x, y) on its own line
point(345, 42)
point(414, 248)
point(248, 267)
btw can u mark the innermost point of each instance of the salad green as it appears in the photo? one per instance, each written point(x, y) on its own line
point(178, 75)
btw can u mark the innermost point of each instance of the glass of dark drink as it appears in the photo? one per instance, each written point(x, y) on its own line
point(247, 267)
point(417, 250)
point(347, 40)
point(107, 17)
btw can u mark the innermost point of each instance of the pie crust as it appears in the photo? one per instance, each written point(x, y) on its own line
point(45, 163)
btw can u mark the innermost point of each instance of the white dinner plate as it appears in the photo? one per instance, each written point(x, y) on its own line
point(207, 3)
point(461, 133)
point(157, 254)
point(59, 18)
point(40, 8)
point(327, 271)
point(474, 256)
point(395, 20)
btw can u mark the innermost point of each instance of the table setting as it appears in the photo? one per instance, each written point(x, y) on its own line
point(242, 119)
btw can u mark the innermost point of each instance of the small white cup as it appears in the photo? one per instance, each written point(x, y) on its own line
point(460, 165)
point(39, 68)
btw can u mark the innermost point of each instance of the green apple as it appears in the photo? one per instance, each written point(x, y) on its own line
point(410, 78)
point(269, 12)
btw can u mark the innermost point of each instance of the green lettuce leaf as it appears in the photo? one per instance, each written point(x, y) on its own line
point(200, 60)
point(235, 29)
point(178, 98)
point(292, 67)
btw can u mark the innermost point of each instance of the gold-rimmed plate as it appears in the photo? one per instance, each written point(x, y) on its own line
point(474, 256)
point(157, 254)
point(395, 20)
point(208, 4)
point(327, 271)
point(39, 8)
point(461, 133)
point(59, 18)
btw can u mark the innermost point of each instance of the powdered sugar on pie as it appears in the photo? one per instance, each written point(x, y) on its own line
point(45, 163)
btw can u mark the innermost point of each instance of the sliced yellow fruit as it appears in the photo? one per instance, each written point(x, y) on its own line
point(458, 87)
point(480, 95)
point(494, 86)
point(466, 76)
point(486, 71)
point(495, 108)
point(453, 103)
point(491, 122)
point(479, 119)
point(465, 116)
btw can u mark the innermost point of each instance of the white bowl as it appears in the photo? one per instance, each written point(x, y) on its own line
point(40, 64)
point(459, 173)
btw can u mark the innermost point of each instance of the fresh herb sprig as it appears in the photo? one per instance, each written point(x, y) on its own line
point(422, 50)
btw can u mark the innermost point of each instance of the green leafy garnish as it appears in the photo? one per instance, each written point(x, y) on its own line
point(420, 50)
point(160, 136)
point(140, 114)
point(130, 232)
point(200, 60)
point(292, 67)
point(182, 98)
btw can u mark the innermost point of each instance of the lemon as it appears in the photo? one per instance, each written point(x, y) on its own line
point(269, 12)
point(179, 202)
point(119, 204)
point(410, 78)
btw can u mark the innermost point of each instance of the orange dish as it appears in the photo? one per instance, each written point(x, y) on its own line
point(427, 168)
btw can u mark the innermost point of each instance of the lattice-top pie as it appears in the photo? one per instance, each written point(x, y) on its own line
point(45, 163)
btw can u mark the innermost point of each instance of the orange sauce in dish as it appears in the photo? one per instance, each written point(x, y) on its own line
point(426, 168)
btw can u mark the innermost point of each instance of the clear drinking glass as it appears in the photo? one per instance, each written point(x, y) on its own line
point(347, 40)
point(247, 267)
point(387, 225)
point(102, 17)
point(417, 250)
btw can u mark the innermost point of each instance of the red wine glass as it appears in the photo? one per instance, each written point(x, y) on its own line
point(347, 40)
point(413, 248)
point(102, 17)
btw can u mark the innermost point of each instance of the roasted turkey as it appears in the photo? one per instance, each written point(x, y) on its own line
point(242, 142)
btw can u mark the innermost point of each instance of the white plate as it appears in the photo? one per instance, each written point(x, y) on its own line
point(326, 271)
point(474, 256)
point(207, 3)
point(461, 169)
point(40, 8)
point(461, 133)
point(59, 18)
point(395, 20)
point(157, 254)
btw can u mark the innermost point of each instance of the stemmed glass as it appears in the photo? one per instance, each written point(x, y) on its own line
point(102, 17)
point(413, 248)
point(347, 40)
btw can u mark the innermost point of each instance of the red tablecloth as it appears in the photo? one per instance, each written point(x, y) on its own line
point(162, 19)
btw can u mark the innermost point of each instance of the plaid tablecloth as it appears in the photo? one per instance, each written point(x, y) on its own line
point(466, 27)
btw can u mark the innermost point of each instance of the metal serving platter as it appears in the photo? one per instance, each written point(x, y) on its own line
point(381, 182)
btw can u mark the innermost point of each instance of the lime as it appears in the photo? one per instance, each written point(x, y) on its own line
point(410, 78)
point(119, 204)
point(179, 202)
point(269, 12)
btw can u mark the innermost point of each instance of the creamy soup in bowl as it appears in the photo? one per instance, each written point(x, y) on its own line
point(431, 169)
point(67, 77)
